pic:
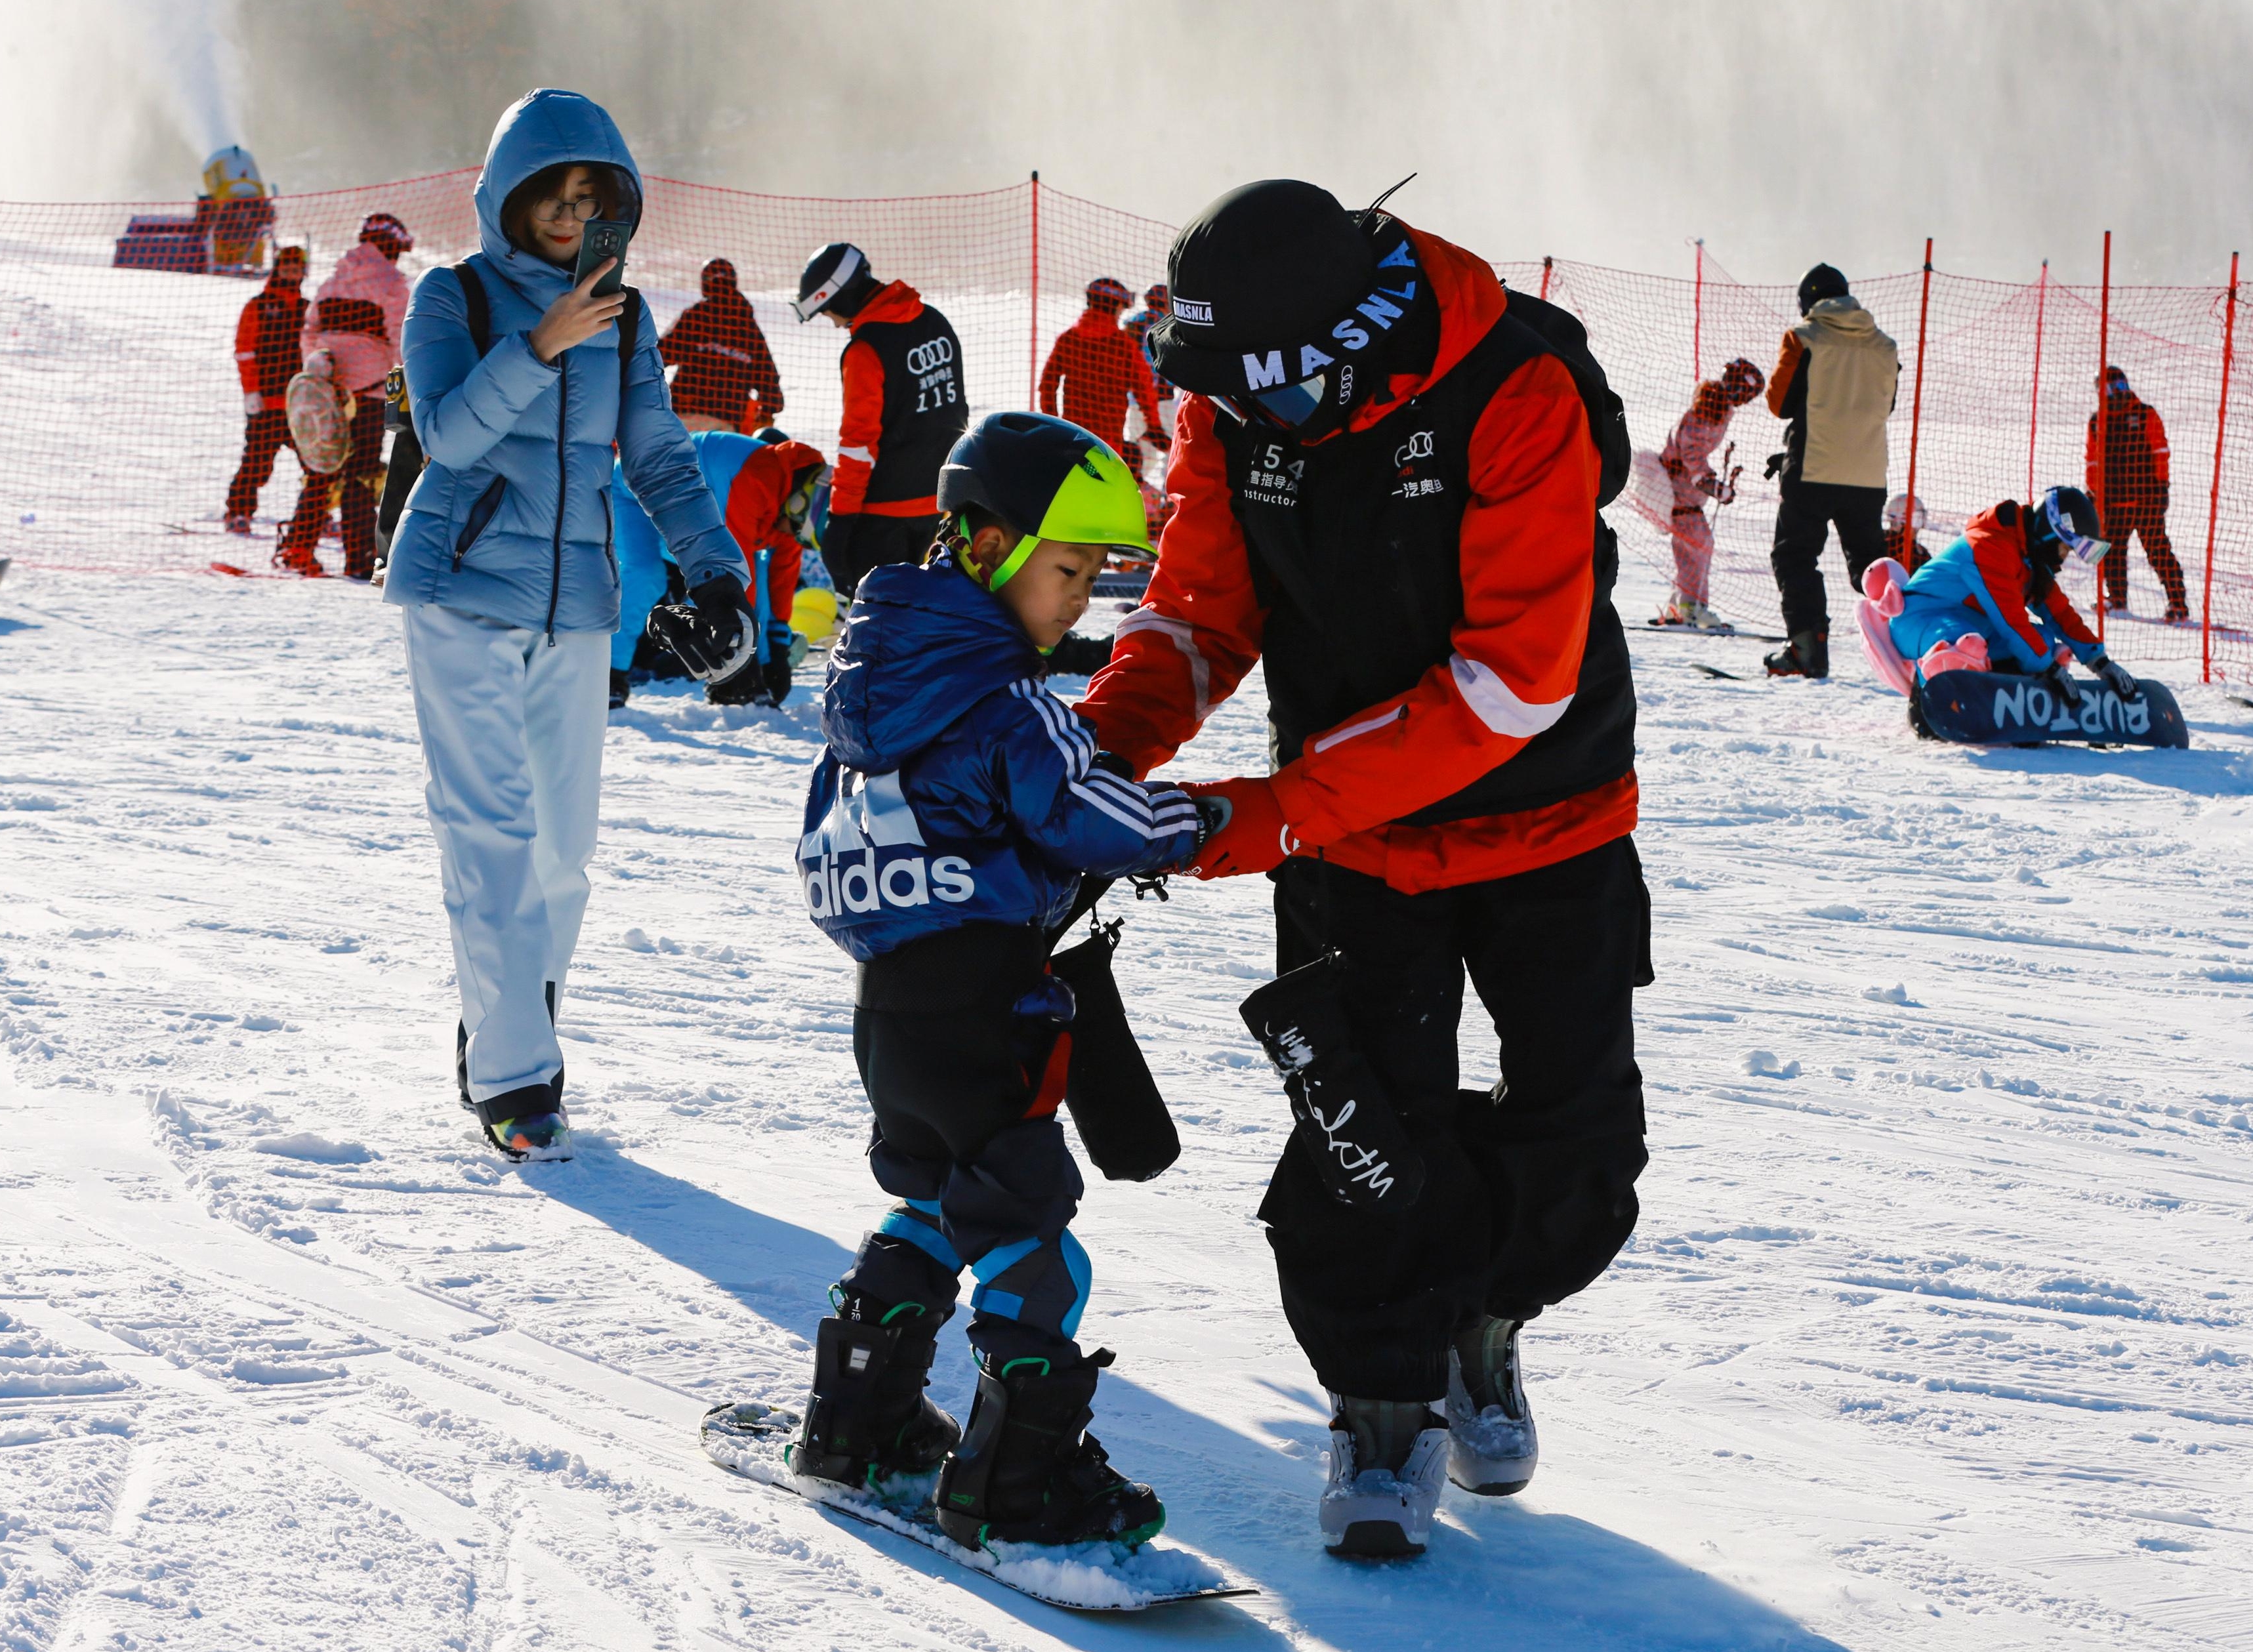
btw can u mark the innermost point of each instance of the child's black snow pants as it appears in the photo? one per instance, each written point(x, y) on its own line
point(962, 1045)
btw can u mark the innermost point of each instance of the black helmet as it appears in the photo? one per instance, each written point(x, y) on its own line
point(1277, 294)
point(835, 278)
point(1818, 283)
point(1045, 478)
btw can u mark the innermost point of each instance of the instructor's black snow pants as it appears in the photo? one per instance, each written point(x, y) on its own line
point(1530, 1186)
point(964, 1072)
point(1803, 526)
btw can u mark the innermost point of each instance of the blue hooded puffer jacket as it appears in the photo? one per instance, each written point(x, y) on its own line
point(955, 789)
point(511, 520)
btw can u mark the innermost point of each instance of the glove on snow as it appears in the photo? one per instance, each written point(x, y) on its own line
point(716, 637)
point(1346, 1124)
point(1243, 829)
point(2117, 679)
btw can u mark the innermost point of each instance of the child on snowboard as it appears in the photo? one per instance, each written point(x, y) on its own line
point(1990, 600)
point(948, 827)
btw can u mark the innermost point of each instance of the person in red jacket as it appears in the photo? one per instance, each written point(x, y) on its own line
point(1387, 489)
point(267, 357)
point(727, 379)
point(1098, 365)
point(2127, 462)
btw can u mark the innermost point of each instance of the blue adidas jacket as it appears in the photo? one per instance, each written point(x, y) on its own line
point(511, 520)
point(954, 788)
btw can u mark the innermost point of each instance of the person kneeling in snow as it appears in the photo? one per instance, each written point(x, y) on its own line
point(1990, 600)
point(947, 827)
point(766, 491)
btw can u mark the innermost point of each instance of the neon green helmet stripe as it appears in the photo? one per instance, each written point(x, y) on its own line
point(1099, 503)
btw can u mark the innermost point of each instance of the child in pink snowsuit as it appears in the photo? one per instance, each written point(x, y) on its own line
point(1688, 458)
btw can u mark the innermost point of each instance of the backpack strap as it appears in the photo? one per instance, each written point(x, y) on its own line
point(473, 296)
point(629, 338)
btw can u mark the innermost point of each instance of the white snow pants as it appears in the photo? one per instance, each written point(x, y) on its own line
point(512, 737)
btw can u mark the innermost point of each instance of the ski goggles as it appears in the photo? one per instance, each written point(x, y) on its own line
point(2084, 548)
point(1287, 408)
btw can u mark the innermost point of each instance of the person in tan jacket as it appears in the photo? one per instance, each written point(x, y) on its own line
point(1834, 383)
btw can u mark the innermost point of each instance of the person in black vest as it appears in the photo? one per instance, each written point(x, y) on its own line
point(904, 408)
point(1388, 477)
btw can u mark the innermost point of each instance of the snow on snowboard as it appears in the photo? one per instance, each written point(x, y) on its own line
point(1994, 709)
point(747, 1438)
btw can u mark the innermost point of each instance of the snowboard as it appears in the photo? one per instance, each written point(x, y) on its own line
point(1996, 708)
point(747, 1438)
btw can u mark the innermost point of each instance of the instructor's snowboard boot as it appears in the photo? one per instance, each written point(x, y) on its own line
point(869, 1419)
point(1807, 655)
point(1346, 1124)
point(1491, 1446)
point(1027, 1470)
point(528, 1123)
point(1388, 1461)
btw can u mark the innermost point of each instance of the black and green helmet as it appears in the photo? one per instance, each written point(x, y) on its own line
point(1046, 478)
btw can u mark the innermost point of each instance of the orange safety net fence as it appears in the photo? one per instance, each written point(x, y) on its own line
point(121, 414)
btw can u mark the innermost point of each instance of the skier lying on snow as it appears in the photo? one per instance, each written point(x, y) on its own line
point(1990, 600)
point(946, 831)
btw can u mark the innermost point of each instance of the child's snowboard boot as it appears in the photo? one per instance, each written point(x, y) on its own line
point(868, 1419)
point(1028, 1472)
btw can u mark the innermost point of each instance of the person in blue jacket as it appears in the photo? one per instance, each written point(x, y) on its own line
point(1998, 583)
point(947, 829)
point(767, 487)
point(503, 564)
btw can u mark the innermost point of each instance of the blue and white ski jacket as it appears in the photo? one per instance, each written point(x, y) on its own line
point(954, 788)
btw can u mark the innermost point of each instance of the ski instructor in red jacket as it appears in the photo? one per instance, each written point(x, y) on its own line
point(1388, 486)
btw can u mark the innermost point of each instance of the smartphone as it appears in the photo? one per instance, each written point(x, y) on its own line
point(603, 239)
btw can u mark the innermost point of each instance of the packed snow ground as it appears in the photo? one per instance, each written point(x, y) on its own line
point(1934, 1332)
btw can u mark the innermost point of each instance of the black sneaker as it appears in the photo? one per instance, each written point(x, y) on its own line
point(1807, 655)
point(1026, 1470)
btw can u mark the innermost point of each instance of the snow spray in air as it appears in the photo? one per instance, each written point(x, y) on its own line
point(193, 61)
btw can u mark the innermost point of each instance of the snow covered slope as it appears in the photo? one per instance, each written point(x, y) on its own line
point(1934, 1332)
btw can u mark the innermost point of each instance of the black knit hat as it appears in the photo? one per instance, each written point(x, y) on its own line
point(1818, 283)
point(1273, 282)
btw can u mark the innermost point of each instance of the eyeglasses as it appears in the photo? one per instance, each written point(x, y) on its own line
point(586, 209)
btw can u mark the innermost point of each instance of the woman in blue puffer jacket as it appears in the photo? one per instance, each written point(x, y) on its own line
point(503, 562)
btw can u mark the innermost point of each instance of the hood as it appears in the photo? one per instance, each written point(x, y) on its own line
point(719, 280)
point(544, 128)
point(921, 645)
point(1844, 316)
point(1999, 523)
point(1471, 299)
point(894, 301)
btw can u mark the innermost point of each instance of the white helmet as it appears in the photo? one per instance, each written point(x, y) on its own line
point(1899, 508)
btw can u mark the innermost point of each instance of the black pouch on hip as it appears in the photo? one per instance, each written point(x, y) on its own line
point(1115, 1103)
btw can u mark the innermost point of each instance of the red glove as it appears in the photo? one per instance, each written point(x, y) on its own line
point(1250, 835)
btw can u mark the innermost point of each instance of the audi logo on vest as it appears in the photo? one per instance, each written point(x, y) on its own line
point(935, 353)
point(838, 884)
point(1416, 447)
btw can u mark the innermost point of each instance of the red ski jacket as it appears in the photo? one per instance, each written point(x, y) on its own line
point(2127, 455)
point(266, 347)
point(1998, 537)
point(726, 370)
point(1528, 585)
point(903, 408)
point(754, 515)
point(1099, 365)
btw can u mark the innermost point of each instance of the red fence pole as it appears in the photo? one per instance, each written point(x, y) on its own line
point(1033, 349)
point(1698, 320)
point(2104, 360)
point(2214, 498)
point(2033, 411)
point(1917, 400)
point(1547, 260)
